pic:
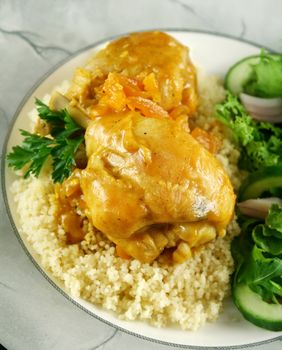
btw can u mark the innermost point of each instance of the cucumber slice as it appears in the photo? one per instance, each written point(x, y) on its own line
point(239, 74)
point(261, 181)
point(255, 310)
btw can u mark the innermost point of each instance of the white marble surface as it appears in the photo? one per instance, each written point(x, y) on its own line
point(34, 35)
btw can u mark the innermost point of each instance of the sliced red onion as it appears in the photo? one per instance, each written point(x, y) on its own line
point(263, 109)
point(258, 208)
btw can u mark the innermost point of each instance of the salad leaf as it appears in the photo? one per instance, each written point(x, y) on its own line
point(274, 218)
point(264, 271)
point(266, 78)
point(233, 114)
point(264, 239)
point(260, 142)
point(258, 255)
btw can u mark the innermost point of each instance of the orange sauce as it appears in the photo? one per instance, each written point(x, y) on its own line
point(69, 196)
point(122, 254)
point(210, 142)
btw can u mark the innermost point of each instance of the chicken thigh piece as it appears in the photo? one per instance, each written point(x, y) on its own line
point(141, 71)
point(148, 182)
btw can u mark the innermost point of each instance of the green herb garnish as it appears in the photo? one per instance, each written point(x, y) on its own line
point(65, 138)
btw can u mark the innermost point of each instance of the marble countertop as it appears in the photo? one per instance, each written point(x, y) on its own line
point(35, 35)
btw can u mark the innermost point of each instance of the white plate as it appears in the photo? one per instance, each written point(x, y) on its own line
point(215, 54)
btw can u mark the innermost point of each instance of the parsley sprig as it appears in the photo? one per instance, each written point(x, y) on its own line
point(61, 145)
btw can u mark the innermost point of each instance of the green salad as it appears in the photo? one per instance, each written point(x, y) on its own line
point(252, 111)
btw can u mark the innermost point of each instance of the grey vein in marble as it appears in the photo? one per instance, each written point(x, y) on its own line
point(244, 29)
point(106, 341)
point(185, 6)
point(27, 37)
point(6, 286)
point(192, 11)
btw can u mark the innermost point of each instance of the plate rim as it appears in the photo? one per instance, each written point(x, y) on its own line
point(9, 213)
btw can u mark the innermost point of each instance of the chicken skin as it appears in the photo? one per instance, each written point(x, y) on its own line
point(149, 72)
point(150, 185)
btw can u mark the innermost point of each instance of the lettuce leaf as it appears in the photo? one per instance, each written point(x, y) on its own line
point(266, 78)
point(258, 255)
point(274, 218)
point(260, 142)
point(264, 239)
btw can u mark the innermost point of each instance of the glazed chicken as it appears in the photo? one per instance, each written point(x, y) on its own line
point(150, 72)
point(149, 185)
